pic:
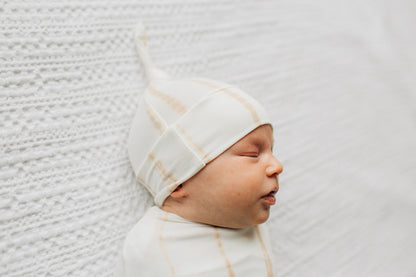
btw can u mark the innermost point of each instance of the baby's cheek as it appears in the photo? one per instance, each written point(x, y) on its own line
point(235, 198)
point(252, 183)
point(244, 198)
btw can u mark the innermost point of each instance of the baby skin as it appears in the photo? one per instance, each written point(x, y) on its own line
point(236, 189)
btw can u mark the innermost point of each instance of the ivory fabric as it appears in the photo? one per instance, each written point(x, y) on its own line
point(165, 244)
point(181, 125)
point(338, 81)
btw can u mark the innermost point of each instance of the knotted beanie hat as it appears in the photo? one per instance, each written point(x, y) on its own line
point(182, 124)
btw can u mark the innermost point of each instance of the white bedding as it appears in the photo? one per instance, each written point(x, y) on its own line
point(338, 78)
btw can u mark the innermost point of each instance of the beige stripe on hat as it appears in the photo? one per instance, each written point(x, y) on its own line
point(181, 125)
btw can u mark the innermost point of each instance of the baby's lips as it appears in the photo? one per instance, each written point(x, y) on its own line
point(273, 191)
point(269, 198)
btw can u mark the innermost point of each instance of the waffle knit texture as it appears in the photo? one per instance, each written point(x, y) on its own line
point(338, 81)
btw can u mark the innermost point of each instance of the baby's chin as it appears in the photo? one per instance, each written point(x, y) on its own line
point(263, 216)
point(245, 222)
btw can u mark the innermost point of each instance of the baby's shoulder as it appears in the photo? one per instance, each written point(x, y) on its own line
point(142, 237)
point(142, 251)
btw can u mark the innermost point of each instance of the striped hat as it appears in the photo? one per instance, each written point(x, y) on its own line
point(181, 125)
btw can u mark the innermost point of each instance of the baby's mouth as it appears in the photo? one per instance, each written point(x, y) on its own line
point(269, 198)
point(271, 193)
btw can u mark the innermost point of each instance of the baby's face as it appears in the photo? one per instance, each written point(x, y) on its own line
point(237, 188)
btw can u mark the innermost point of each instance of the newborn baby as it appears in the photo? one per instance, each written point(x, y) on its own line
point(204, 150)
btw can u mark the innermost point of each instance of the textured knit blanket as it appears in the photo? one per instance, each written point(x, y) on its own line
point(338, 78)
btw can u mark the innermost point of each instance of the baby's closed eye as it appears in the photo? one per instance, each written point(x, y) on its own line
point(250, 154)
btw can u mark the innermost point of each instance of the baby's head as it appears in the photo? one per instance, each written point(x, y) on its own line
point(234, 190)
point(203, 149)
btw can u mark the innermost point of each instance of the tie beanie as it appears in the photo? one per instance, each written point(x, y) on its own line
point(181, 125)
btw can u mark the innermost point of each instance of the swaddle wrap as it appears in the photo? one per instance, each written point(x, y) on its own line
point(164, 244)
point(181, 125)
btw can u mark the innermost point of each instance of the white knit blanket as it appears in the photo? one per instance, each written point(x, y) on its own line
point(338, 78)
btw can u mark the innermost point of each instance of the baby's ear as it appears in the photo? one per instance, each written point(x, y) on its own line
point(179, 192)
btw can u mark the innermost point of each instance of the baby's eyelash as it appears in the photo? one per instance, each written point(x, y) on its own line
point(252, 155)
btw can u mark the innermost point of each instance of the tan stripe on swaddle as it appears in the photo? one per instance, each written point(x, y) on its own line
point(265, 253)
point(221, 248)
point(163, 247)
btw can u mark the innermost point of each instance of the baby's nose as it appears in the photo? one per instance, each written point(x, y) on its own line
point(275, 167)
